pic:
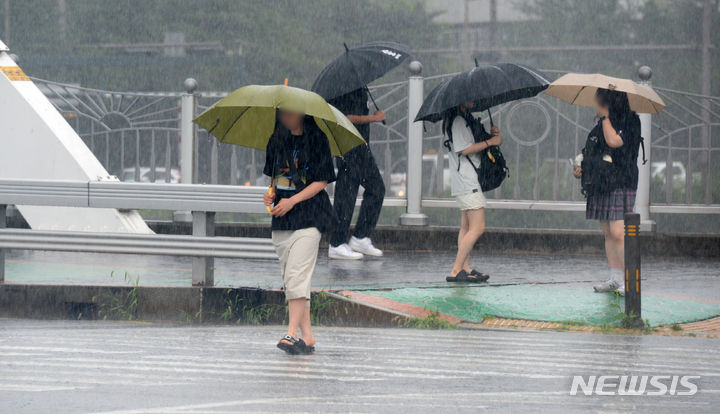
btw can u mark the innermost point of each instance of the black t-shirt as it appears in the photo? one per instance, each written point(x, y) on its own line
point(354, 103)
point(310, 156)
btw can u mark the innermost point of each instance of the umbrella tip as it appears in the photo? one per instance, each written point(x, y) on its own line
point(347, 49)
point(476, 62)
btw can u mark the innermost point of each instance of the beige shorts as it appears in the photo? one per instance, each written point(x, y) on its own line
point(298, 252)
point(471, 201)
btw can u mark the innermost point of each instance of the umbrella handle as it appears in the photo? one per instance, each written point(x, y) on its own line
point(492, 124)
point(270, 191)
point(374, 103)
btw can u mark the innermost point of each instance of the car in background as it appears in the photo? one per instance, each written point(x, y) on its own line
point(398, 180)
point(128, 175)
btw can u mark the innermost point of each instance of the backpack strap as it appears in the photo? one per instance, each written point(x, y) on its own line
point(448, 146)
point(470, 161)
point(642, 144)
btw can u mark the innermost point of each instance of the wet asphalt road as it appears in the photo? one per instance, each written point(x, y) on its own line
point(115, 367)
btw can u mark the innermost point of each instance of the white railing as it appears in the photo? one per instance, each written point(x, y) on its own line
point(150, 137)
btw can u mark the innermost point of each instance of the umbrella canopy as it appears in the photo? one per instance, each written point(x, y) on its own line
point(579, 89)
point(359, 66)
point(247, 117)
point(486, 85)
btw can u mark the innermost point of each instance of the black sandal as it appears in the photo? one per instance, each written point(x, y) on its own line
point(463, 276)
point(291, 345)
point(482, 277)
point(307, 349)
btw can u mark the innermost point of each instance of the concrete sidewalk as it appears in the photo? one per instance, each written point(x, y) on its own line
point(536, 287)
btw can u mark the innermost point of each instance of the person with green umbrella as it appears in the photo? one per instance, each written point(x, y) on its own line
point(299, 163)
point(300, 133)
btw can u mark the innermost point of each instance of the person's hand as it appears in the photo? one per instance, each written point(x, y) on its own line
point(603, 111)
point(379, 116)
point(494, 130)
point(495, 140)
point(577, 172)
point(268, 198)
point(282, 207)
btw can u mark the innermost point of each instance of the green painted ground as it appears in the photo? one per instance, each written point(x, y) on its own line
point(550, 303)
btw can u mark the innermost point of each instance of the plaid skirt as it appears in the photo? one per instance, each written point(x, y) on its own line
point(610, 206)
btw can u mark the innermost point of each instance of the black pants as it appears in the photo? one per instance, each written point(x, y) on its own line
point(357, 169)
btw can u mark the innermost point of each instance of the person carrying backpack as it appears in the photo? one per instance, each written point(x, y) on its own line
point(609, 177)
point(465, 138)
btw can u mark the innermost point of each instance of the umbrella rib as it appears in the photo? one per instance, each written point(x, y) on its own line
point(333, 136)
point(227, 131)
point(582, 88)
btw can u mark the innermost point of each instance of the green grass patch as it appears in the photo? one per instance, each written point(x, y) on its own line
point(431, 321)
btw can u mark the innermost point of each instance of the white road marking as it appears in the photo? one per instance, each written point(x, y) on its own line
point(36, 388)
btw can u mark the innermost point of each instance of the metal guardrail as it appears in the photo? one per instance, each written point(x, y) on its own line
point(147, 244)
point(44, 193)
point(116, 194)
point(203, 200)
point(193, 197)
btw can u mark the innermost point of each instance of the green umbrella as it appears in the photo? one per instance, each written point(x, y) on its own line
point(247, 117)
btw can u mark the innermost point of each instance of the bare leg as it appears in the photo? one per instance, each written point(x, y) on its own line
point(464, 227)
point(609, 248)
point(476, 227)
point(306, 329)
point(616, 233)
point(296, 310)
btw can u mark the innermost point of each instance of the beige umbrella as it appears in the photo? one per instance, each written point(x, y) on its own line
point(580, 88)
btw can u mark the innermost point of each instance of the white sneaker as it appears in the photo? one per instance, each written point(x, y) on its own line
point(607, 286)
point(364, 246)
point(343, 252)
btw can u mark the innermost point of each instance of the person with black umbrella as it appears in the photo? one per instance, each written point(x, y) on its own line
point(357, 168)
point(476, 163)
point(343, 83)
point(465, 138)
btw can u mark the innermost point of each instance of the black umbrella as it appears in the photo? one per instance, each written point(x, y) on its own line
point(487, 85)
point(359, 66)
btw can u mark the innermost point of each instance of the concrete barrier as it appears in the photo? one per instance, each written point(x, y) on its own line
point(180, 304)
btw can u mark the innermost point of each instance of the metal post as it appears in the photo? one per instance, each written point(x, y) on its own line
point(705, 75)
point(3, 224)
point(414, 216)
point(187, 131)
point(187, 141)
point(203, 268)
point(642, 199)
point(632, 270)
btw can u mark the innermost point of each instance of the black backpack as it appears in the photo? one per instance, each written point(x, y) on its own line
point(602, 167)
point(493, 169)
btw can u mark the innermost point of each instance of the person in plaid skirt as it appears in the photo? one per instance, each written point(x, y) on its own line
point(609, 175)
